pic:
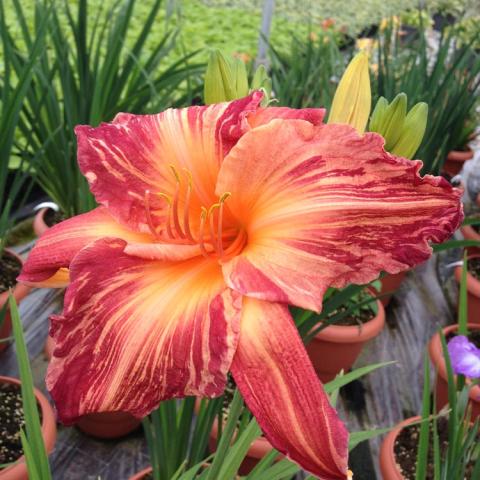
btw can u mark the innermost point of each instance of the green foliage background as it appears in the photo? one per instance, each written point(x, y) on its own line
point(233, 25)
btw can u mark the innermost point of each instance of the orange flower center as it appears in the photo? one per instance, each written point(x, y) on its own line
point(214, 240)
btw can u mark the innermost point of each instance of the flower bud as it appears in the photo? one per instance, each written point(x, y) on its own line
point(412, 132)
point(220, 79)
point(378, 114)
point(392, 121)
point(241, 78)
point(352, 100)
point(261, 81)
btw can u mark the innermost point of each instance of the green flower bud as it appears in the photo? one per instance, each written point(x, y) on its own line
point(220, 79)
point(392, 121)
point(261, 81)
point(241, 78)
point(378, 114)
point(412, 132)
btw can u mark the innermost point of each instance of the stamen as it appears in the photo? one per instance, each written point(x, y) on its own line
point(169, 214)
point(203, 218)
point(220, 223)
point(176, 221)
point(186, 211)
point(148, 212)
point(211, 217)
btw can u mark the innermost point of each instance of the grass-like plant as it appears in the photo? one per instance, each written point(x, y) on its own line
point(32, 441)
point(308, 75)
point(178, 442)
point(446, 79)
point(14, 86)
point(87, 74)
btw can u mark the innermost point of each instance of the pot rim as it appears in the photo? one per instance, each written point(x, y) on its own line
point(469, 233)
point(20, 290)
point(460, 155)
point(139, 475)
point(39, 224)
point(49, 429)
point(387, 453)
point(353, 333)
point(436, 356)
point(473, 285)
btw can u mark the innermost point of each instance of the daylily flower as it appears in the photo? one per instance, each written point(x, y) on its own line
point(212, 221)
point(464, 356)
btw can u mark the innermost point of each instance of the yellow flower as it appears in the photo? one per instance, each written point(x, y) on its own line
point(353, 98)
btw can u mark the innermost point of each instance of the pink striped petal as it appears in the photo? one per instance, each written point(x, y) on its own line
point(124, 160)
point(280, 387)
point(134, 332)
point(264, 115)
point(323, 206)
point(56, 248)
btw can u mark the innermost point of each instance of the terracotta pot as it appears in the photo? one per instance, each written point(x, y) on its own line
point(455, 160)
point(388, 463)
point(49, 433)
point(102, 424)
point(469, 233)
point(20, 291)
point(337, 347)
point(39, 225)
point(390, 283)
point(108, 424)
point(473, 293)
point(141, 474)
point(441, 388)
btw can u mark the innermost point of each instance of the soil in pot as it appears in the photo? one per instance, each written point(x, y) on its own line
point(362, 315)
point(52, 217)
point(45, 219)
point(473, 265)
point(10, 268)
point(406, 446)
point(11, 422)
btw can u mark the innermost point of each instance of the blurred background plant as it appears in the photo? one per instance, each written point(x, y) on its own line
point(86, 75)
point(308, 74)
point(14, 86)
point(446, 78)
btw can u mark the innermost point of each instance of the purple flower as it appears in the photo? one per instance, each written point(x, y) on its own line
point(465, 356)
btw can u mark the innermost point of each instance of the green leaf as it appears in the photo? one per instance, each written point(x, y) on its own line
point(38, 455)
point(341, 380)
point(358, 437)
point(423, 442)
point(462, 299)
point(238, 450)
